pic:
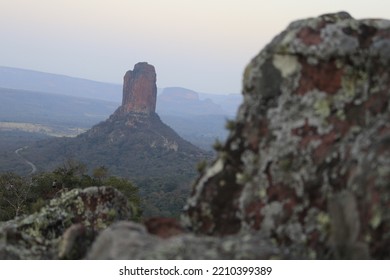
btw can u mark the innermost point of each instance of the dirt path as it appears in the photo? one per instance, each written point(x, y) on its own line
point(32, 165)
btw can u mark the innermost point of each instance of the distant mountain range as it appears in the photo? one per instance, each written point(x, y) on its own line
point(36, 81)
point(181, 101)
point(67, 105)
point(52, 109)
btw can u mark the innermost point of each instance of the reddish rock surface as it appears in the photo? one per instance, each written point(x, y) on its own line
point(139, 89)
point(164, 227)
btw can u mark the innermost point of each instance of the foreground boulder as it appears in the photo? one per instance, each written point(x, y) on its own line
point(66, 227)
point(128, 240)
point(307, 160)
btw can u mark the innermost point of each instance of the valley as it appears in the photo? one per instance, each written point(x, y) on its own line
point(29, 163)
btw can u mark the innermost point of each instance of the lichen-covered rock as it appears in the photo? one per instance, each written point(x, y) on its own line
point(307, 160)
point(129, 241)
point(57, 229)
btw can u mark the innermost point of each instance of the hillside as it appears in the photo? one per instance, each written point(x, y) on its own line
point(133, 143)
point(134, 146)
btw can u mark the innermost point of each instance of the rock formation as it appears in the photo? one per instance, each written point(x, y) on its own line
point(307, 160)
point(66, 227)
point(139, 89)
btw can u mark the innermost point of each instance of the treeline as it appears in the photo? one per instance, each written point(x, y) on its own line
point(24, 195)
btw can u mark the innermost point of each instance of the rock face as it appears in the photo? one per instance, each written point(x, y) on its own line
point(66, 227)
point(139, 89)
point(307, 160)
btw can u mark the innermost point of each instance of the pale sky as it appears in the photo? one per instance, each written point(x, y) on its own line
point(202, 45)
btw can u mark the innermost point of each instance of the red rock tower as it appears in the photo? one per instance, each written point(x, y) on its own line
point(139, 89)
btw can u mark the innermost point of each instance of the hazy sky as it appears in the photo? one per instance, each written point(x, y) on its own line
point(203, 45)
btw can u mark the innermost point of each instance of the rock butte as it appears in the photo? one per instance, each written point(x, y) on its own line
point(139, 89)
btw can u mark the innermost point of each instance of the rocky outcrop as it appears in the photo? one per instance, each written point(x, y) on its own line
point(66, 227)
point(307, 159)
point(130, 241)
point(139, 89)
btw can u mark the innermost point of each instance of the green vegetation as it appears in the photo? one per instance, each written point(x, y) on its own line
point(14, 194)
point(142, 150)
point(163, 185)
point(139, 148)
point(20, 195)
point(10, 141)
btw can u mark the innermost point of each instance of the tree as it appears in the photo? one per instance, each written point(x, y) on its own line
point(15, 192)
point(129, 191)
point(70, 173)
point(99, 174)
point(20, 196)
